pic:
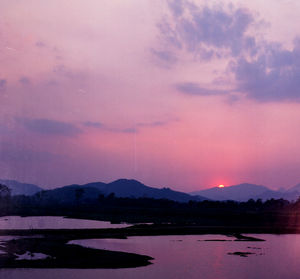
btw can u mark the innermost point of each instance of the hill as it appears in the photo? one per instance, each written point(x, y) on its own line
point(295, 188)
point(121, 188)
point(240, 192)
point(18, 188)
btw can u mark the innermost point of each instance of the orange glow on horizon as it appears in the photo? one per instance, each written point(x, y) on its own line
point(221, 186)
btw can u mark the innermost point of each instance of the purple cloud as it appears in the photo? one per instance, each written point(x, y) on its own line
point(62, 70)
point(77, 77)
point(93, 124)
point(264, 71)
point(50, 127)
point(103, 127)
point(176, 6)
point(191, 88)
point(208, 32)
point(128, 130)
point(165, 57)
point(40, 44)
point(273, 76)
point(24, 81)
point(152, 124)
point(3, 84)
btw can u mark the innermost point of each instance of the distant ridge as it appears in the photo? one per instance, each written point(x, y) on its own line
point(240, 192)
point(295, 188)
point(135, 189)
point(246, 191)
point(18, 188)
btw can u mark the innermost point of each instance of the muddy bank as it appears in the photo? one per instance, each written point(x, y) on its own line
point(147, 230)
point(21, 253)
point(56, 253)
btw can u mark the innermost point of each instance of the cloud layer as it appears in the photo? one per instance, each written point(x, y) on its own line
point(104, 88)
point(263, 71)
point(273, 76)
point(208, 32)
point(190, 88)
point(50, 127)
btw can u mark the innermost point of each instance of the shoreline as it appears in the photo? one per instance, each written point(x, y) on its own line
point(60, 254)
point(151, 230)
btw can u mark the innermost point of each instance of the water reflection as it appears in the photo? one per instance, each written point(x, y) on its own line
point(53, 222)
point(189, 258)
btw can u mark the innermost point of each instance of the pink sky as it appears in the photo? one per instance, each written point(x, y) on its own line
point(180, 94)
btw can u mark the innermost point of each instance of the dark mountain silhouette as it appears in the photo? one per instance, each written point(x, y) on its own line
point(18, 188)
point(135, 189)
point(68, 194)
point(120, 188)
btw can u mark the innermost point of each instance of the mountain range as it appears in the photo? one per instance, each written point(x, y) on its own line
point(246, 191)
point(120, 188)
point(18, 188)
point(135, 189)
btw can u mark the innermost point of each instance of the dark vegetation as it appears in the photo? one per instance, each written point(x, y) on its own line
point(63, 255)
point(271, 213)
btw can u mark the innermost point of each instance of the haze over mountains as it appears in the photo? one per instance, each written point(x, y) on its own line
point(18, 188)
point(246, 191)
point(135, 189)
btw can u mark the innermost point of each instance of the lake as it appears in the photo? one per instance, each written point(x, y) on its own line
point(189, 257)
point(53, 222)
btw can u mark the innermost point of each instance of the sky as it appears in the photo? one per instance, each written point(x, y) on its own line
point(173, 93)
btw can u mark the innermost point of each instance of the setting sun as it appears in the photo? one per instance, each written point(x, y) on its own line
point(221, 186)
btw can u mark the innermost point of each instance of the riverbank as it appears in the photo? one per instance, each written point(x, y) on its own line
point(152, 230)
point(52, 244)
point(21, 253)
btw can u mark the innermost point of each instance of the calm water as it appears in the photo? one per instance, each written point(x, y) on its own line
point(53, 222)
point(187, 257)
